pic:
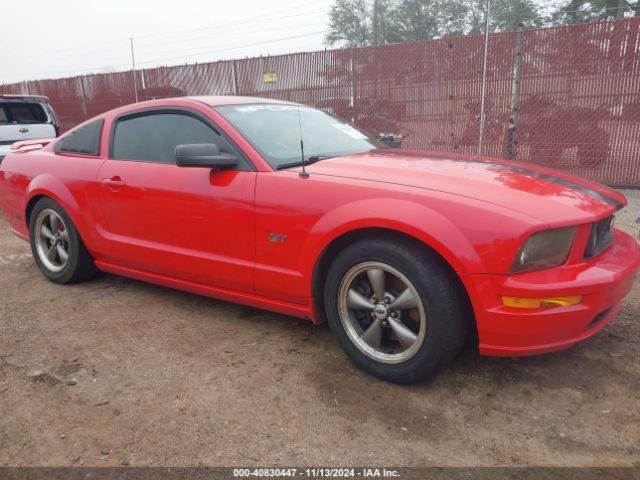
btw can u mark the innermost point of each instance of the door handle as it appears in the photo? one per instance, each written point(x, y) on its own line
point(113, 183)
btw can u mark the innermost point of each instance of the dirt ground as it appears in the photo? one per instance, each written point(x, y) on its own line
point(116, 371)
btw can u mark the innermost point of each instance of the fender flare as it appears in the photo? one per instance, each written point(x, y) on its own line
point(47, 185)
point(414, 219)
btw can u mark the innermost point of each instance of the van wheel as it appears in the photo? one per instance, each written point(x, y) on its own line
point(395, 308)
point(56, 246)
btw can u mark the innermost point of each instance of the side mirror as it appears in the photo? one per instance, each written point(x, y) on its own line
point(205, 155)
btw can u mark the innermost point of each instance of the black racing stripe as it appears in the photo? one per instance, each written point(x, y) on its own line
point(525, 171)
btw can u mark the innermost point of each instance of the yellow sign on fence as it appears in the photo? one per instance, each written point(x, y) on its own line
point(269, 77)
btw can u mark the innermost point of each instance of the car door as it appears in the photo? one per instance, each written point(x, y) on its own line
point(195, 224)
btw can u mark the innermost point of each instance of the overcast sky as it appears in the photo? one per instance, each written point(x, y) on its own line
point(60, 38)
point(51, 39)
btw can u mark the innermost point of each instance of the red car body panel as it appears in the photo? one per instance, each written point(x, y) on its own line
point(209, 232)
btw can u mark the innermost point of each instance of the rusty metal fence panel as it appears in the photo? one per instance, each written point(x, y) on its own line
point(321, 79)
point(580, 100)
point(201, 79)
point(432, 91)
point(107, 91)
point(425, 88)
point(565, 97)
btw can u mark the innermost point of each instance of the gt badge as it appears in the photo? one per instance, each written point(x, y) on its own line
point(277, 238)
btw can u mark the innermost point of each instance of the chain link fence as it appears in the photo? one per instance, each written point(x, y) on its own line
point(564, 97)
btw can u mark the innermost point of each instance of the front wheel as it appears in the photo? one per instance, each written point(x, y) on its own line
point(395, 308)
point(56, 246)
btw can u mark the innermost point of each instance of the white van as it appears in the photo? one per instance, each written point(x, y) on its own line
point(25, 117)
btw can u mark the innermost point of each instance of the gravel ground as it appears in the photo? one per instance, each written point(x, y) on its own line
point(628, 218)
point(116, 371)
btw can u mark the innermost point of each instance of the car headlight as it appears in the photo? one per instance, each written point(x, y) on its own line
point(545, 249)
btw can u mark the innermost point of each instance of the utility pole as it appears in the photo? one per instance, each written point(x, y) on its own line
point(133, 70)
point(376, 21)
point(484, 74)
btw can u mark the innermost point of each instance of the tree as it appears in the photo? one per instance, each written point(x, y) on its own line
point(414, 20)
point(505, 15)
point(365, 22)
point(581, 11)
point(350, 22)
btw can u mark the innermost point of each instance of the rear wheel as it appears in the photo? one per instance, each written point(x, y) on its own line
point(395, 309)
point(56, 246)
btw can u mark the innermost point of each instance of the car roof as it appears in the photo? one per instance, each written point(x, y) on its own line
point(35, 98)
point(218, 100)
point(210, 100)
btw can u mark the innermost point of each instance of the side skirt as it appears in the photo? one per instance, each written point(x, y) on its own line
point(244, 298)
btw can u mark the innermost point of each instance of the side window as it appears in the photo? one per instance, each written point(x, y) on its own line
point(84, 140)
point(154, 137)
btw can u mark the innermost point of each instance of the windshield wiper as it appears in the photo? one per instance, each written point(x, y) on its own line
point(315, 158)
point(308, 161)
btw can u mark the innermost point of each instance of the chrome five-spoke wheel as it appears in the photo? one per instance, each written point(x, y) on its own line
point(382, 312)
point(57, 248)
point(52, 240)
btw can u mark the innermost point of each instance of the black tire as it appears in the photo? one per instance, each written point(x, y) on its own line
point(80, 265)
point(446, 306)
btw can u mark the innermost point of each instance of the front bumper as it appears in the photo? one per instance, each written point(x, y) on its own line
point(602, 281)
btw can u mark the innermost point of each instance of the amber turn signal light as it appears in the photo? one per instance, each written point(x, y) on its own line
point(518, 302)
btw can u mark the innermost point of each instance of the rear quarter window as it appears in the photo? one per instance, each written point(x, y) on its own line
point(84, 140)
point(23, 113)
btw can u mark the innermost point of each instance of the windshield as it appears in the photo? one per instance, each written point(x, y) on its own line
point(274, 130)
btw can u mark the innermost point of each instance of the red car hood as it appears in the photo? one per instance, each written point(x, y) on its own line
point(548, 195)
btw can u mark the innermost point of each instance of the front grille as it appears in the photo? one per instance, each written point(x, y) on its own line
point(600, 238)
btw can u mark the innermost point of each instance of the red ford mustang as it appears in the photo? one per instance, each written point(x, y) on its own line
point(405, 253)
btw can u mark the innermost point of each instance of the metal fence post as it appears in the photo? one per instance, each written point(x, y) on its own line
point(82, 96)
point(144, 84)
point(487, 16)
point(352, 100)
point(234, 75)
point(133, 70)
point(515, 94)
